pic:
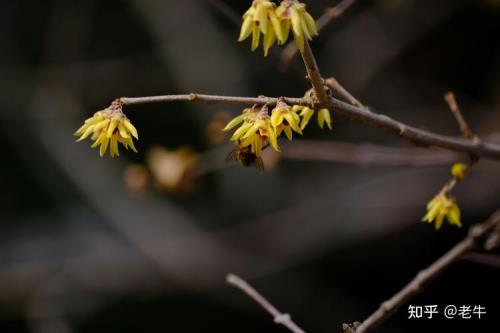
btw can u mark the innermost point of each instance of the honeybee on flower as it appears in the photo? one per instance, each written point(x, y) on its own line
point(255, 131)
point(109, 127)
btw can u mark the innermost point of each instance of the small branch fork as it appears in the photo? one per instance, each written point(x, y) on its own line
point(279, 317)
point(478, 236)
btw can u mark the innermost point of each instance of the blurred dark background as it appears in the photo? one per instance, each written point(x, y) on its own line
point(90, 244)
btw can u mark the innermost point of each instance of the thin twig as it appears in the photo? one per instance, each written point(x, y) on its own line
point(418, 136)
point(469, 243)
point(279, 317)
point(208, 99)
point(334, 85)
point(328, 16)
point(449, 98)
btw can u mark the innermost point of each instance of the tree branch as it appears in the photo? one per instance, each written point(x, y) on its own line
point(418, 136)
point(279, 318)
point(473, 241)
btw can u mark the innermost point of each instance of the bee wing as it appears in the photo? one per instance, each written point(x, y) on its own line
point(259, 165)
point(233, 156)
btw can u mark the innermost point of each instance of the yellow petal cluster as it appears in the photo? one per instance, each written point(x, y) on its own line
point(306, 113)
point(285, 119)
point(259, 19)
point(275, 23)
point(108, 127)
point(441, 206)
point(293, 15)
point(255, 131)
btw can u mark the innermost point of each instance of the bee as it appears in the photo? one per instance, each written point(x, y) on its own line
point(245, 157)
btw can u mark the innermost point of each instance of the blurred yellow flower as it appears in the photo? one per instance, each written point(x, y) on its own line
point(283, 118)
point(441, 206)
point(256, 130)
point(261, 18)
point(324, 117)
point(459, 170)
point(293, 15)
point(108, 127)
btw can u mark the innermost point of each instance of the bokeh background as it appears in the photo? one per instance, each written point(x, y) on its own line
point(142, 243)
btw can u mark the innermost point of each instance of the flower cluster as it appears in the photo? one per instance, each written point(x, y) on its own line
point(275, 23)
point(257, 129)
point(324, 116)
point(441, 206)
point(108, 127)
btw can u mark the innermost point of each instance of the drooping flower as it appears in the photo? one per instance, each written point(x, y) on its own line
point(459, 170)
point(305, 112)
point(293, 15)
point(441, 206)
point(109, 127)
point(324, 117)
point(255, 131)
point(284, 118)
point(261, 18)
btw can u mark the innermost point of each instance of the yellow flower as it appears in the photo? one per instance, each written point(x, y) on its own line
point(261, 18)
point(293, 15)
point(108, 127)
point(324, 117)
point(256, 130)
point(283, 118)
point(459, 171)
point(441, 206)
point(305, 112)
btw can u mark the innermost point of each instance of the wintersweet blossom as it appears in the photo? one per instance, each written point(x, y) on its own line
point(109, 127)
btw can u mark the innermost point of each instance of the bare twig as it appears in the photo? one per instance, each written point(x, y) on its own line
point(279, 317)
point(208, 99)
point(419, 136)
point(472, 241)
point(334, 85)
point(492, 260)
point(328, 16)
point(449, 98)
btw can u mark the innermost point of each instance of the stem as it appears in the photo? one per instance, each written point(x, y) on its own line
point(313, 73)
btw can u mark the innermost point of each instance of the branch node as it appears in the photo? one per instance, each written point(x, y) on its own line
point(192, 97)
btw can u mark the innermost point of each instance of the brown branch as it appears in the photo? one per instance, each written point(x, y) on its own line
point(473, 241)
point(279, 317)
point(328, 16)
point(313, 73)
point(418, 136)
point(449, 98)
point(334, 85)
point(208, 99)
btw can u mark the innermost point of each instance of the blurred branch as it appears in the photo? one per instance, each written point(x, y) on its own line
point(491, 260)
point(279, 317)
point(418, 136)
point(473, 241)
point(328, 16)
point(365, 154)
